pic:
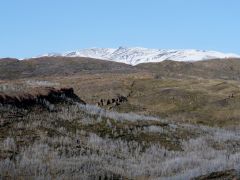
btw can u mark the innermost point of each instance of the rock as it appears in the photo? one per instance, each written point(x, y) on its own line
point(108, 102)
point(122, 99)
point(116, 103)
point(221, 175)
point(101, 102)
point(37, 96)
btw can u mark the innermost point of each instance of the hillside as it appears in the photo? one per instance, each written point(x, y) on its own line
point(228, 69)
point(57, 66)
point(76, 140)
point(204, 92)
point(63, 117)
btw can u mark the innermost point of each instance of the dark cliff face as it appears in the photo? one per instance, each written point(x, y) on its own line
point(39, 96)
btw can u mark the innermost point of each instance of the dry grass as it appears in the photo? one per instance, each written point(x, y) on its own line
point(130, 141)
point(210, 102)
point(90, 142)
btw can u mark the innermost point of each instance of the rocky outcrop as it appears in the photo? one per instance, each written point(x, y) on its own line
point(111, 102)
point(221, 175)
point(42, 96)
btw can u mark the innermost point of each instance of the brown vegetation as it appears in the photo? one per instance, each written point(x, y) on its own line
point(48, 132)
point(36, 95)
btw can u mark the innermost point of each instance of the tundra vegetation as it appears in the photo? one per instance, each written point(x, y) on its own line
point(84, 141)
point(163, 126)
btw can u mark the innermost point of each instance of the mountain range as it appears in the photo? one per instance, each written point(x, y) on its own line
point(138, 55)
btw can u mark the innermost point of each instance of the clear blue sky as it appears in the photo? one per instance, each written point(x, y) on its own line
point(33, 27)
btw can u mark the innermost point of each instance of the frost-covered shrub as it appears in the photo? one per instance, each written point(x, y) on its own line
point(9, 144)
point(41, 83)
point(77, 147)
point(154, 129)
point(114, 115)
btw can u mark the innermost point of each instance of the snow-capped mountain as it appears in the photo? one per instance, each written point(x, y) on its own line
point(139, 55)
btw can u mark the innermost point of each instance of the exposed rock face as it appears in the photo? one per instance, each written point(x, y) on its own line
point(221, 175)
point(40, 96)
point(112, 101)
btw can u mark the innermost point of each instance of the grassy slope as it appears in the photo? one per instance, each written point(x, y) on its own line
point(205, 92)
point(90, 143)
point(57, 66)
point(212, 102)
point(99, 143)
point(227, 69)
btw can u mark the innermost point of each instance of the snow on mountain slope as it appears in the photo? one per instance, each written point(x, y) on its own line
point(139, 55)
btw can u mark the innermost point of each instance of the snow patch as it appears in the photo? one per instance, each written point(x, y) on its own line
point(137, 55)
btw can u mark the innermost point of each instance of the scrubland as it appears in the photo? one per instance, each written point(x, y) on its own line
point(179, 120)
point(87, 142)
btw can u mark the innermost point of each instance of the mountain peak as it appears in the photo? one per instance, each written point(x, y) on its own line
point(137, 55)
